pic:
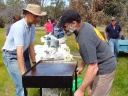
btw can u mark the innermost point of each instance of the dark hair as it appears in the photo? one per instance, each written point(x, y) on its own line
point(53, 20)
point(25, 12)
point(48, 18)
point(16, 17)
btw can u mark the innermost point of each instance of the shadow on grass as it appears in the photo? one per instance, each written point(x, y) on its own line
point(121, 54)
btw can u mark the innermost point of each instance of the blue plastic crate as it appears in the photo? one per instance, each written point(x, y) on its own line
point(123, 46)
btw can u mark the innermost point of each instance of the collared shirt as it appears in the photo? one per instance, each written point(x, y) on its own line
point(20, 34)
point(113, 33)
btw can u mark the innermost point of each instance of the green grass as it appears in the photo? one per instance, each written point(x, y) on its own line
point(5, 80)
point(119, 88)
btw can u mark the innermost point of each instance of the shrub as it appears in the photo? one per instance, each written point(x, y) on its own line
point(2, 21)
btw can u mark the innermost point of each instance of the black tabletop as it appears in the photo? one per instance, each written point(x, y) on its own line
point(52, 69)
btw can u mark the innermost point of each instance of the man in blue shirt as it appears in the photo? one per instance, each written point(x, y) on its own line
point(112, 34)
point(21, 37)
point(16, 17)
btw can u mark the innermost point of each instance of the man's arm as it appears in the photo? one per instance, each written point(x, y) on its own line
point(20, 58)
point(120, 32)
point(106, 36)
point(31, 51)
point(88, 78)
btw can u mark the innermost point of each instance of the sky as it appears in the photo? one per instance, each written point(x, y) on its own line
point(67, 2)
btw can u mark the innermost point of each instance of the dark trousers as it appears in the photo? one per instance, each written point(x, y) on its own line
point(27, 59)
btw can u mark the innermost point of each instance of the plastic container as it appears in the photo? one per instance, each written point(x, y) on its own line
point(79, 81)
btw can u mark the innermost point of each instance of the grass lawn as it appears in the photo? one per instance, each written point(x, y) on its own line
point(119, 88)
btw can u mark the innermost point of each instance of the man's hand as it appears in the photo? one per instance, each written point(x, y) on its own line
point(89, 92)
point(79, 69)
point(22, 72)
point(88, 79)
point(79, 93)
point(106, 40)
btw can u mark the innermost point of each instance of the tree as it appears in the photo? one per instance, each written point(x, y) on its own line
point(88, 9)
point(33, 1)
point(2, 6)
point(54, 9)
point(113, 8)
point(12, 7)
point(2, 21)
point(57, 7)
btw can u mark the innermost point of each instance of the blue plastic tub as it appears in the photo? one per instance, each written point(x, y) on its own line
point(123, 46)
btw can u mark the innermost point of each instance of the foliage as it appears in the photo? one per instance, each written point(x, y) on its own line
point(99, 12)
point(2, 6)
point(55, 9)
point(12, 2)
point(12, 7)
point(96, 12)
point(88, 9)
point(2, 21)
point(33, 1)
point(113, 8)
point(81, 8)
point(59, 7)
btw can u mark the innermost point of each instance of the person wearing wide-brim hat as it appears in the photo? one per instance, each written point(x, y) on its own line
point(21, 37)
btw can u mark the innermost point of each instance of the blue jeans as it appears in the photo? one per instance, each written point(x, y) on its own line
point(11, 63)
point(113, 46)
point(60, 36)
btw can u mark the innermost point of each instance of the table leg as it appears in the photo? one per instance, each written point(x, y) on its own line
point(40, 91)
point(75, 80)
point(71, 91)
point(25, 92)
